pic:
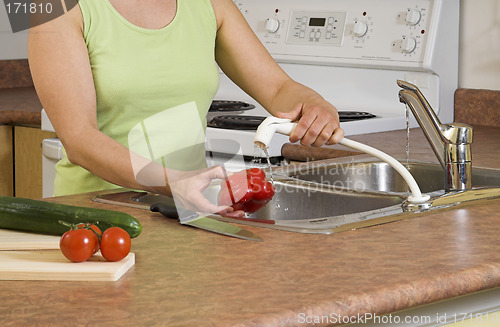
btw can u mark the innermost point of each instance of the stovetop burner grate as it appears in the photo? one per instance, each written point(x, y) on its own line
point(250, 123)
point(241, 122)
point(354, 115)
point(226, 105)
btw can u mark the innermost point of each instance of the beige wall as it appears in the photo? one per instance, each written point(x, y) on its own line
point(480, 44)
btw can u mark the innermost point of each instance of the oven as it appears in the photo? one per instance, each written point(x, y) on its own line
point(351, 52)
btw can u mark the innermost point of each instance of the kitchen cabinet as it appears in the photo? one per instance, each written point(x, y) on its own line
point(28, 161)
point(6, 161)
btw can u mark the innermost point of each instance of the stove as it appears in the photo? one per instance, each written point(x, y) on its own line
point(351, 52)
point(237, 122)
point(251, 123)
point(220, 108)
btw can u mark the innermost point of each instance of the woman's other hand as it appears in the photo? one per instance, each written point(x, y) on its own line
point(318, 123)
point(318, 120)
point(187, 189)
point(246, 62)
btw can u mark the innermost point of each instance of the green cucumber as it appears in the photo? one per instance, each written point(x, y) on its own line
point(43, 217)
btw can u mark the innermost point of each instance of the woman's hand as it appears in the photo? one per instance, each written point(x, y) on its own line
point(246, 62)
point(318, 123)
point(318, 120)
point(187, 188)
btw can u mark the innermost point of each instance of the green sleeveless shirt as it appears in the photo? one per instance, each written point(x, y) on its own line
point(153, 87)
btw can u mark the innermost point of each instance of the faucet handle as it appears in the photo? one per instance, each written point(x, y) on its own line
point(407, 86)
point(457, 133)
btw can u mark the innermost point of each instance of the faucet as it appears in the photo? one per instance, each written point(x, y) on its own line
point(451, 142)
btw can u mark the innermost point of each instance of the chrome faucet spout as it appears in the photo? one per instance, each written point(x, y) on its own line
point(450, 142)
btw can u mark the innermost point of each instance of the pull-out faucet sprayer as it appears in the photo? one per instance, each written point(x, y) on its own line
point(272, 125)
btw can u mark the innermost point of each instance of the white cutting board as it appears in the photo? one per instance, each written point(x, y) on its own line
point(52, 265)
point(14, 240)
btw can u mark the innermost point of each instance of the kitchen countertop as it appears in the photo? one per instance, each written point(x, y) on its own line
point(20, 106)
point(189, 277)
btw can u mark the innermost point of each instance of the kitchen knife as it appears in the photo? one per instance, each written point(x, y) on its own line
point(191, 218)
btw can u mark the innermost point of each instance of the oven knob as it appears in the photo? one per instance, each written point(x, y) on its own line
point(408, 44)
point(272, 25)
point(360, 28)
point(413, 17)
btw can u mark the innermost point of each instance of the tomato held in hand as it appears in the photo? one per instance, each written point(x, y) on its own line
point(255, 174)
point(115, 244)
point(262, 190)
point(236, 189)
point(246, 190)
point(78, 244)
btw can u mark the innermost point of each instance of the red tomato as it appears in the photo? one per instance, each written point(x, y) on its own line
point(115, 244)
point(255, 174)
point(97, 233)
point(235, 189)
point(78, 244)
point(262, 190)
point(240, 206)
point(253, 206)
point(246, 190)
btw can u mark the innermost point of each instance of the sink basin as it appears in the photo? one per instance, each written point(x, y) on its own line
point(342, 196)
point(295, 201)
point(380, 177)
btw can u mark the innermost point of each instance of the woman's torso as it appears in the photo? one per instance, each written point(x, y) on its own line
point(158, 81)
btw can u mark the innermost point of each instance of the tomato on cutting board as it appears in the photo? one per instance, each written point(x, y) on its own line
point(85, 239)
point(115, 244)
point(97, 234)
point(78, 244)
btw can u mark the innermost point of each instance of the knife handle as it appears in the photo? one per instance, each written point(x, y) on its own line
point(168, 210)
point(171, 211)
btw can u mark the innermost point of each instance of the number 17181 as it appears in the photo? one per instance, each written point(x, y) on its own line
point(32, 8)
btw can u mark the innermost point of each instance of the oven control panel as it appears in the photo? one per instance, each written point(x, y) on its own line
point(395, 34)
point(316, 28)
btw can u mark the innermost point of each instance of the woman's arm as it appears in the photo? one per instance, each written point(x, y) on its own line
point(245, 60)
point(63, 79)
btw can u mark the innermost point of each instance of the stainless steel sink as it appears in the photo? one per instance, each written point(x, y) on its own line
point(336, 197)
point(319, 198)
point(295, 201)
point(380, 177)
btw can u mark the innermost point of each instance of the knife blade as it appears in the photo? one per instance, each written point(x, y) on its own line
point(191, 218)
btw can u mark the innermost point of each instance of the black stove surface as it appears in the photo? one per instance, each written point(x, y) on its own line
point(354, 115)
point(225, 105)
point(241, 122)
point(250, 123)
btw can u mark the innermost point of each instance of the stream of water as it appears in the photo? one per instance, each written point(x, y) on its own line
point(407, 137)
point(268, 159)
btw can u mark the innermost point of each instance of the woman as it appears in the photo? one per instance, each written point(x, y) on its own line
point(107, 66)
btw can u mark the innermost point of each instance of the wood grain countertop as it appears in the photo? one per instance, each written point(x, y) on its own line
point(189, 277)
point(20, 106)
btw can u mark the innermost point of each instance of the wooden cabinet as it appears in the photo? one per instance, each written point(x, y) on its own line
point(6, 161)
point(28, 161)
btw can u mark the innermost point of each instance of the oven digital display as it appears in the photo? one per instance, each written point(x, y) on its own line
point(317, 22)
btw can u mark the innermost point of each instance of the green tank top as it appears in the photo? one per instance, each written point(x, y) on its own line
point(153, 87)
